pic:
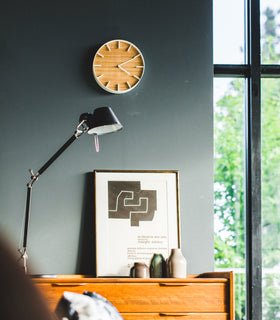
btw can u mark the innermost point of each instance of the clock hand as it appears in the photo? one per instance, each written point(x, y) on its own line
point(119, 66)
point(129, 60)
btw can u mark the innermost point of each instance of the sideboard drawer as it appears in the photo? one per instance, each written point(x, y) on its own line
point(176, 316)
point(151, 297)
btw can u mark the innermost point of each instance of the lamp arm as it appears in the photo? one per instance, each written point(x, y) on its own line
point(81, 128)
point(76, 135)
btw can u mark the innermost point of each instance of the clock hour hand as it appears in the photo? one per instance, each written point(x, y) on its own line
point(129, 60)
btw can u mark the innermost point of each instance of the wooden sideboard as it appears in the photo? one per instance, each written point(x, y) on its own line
point(206, 296)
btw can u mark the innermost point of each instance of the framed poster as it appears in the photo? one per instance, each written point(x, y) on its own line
point(137, 215)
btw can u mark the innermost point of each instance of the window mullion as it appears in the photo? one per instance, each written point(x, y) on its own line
point(268, 71)
point(231, 70)
point(253, 168)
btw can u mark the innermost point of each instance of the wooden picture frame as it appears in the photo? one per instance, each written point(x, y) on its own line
point(136, 215)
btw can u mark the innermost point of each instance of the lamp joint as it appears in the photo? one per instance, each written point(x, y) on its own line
point(23, 257)
point(81, 128)
point(34, 177)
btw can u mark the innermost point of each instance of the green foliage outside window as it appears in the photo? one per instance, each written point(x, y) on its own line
point(229, 187)
point(229, 180)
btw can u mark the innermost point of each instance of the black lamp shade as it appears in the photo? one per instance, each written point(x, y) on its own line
point(102, 121)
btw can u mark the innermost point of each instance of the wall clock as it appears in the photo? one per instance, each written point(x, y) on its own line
point(118, 66)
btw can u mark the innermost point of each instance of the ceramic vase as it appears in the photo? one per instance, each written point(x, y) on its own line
point(157, 266)
point(140, 270)
point(177, 264)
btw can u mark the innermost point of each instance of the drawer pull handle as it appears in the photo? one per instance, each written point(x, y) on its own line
point(67, 284)
point(175, 284)
point(168, 314)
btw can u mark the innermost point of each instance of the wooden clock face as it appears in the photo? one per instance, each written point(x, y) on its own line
point(118, 66)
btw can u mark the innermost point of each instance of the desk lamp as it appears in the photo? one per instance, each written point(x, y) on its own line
point(101, 121)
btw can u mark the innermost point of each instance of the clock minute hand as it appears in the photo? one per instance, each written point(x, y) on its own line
point(129, 60)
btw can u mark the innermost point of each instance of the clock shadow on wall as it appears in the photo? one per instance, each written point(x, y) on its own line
point(87, 70)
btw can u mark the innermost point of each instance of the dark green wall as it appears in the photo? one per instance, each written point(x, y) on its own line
point(46, 83)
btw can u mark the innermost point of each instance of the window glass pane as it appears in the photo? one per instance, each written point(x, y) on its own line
point(229, 183)
point(271, 197)
point(228, 25)
point(270, 31)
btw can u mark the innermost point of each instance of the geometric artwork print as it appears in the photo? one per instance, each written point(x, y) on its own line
point(126, 200)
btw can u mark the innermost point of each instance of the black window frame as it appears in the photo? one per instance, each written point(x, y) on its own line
point(252, 71)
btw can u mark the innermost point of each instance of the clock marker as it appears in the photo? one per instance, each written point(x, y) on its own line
point(97, 65)
point(100, 76)
point(107, 84)
point(139, 66)
point(108, 47)
point(118, 88)
point(118, 44)
point(100, 55)
point(136, 77)
point(128, 48)
point(129, 86)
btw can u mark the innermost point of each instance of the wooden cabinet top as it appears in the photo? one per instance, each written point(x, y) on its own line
point(211, 277)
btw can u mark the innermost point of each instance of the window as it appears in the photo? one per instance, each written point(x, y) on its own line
point(270, 32)
point(229, 167)
point(247, 152)
point(228, 17)
point(270, 133)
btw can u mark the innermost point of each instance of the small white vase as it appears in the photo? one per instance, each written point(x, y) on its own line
point(177, 264)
